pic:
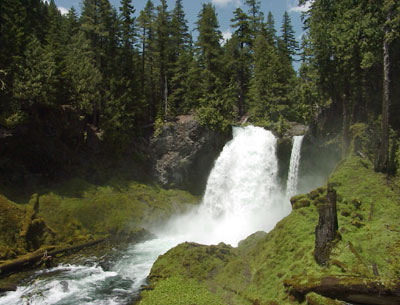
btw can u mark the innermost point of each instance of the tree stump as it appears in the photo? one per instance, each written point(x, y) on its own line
point(326, 230)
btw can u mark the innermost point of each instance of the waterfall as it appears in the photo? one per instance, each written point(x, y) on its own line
point(245, 174)
point(242, 196)
point(291, 187)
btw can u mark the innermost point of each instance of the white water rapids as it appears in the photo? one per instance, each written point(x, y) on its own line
point(242, 196)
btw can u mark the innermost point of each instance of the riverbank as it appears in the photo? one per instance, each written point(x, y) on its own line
point(78, 213)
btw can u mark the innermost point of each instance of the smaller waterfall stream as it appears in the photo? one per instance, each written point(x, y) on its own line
point(293, 176)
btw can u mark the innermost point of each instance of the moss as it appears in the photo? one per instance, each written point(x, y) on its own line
point(112, 209)
point(296, 198)
point(255, 272)
point(180, 291)
point(303, 203)
point(79, 212)
point(356, 203)
point(315, 299)
point(11, 217)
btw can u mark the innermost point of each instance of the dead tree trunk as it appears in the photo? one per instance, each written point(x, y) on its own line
point(36, 259)
point(383, 155)
point(357, 290)
point(326, 230)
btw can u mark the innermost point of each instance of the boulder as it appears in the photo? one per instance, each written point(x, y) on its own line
point(183, 154)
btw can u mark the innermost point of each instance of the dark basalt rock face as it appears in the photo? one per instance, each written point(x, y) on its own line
point(183, 154)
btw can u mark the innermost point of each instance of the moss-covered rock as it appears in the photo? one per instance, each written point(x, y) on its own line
point(303, 203)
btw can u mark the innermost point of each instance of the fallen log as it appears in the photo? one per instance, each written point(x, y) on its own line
point(357, 290)
point(36, 259)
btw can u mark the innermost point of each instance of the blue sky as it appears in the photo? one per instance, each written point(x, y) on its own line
point(224, 10)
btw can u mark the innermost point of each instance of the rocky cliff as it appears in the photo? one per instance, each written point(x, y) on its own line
point(183, 153)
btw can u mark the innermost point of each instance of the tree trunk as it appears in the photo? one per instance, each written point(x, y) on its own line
point(326, 230)
point(346, 122)
point(358, 290)
point(37, 258)
point(383, 155)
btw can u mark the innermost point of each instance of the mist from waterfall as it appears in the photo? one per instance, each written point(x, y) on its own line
point(293, 176)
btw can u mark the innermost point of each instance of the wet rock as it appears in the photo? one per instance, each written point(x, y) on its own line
point(183, 154)
point(64, 286)
point(7, 287)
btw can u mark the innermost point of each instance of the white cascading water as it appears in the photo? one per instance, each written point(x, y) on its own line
point(242, 197)
point(293, 176)
point(242, 194)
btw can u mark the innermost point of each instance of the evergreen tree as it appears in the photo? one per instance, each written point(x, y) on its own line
point(34, 78)
point(181, 58)
point(270, 28)
point(273, 84)
point(180, 37)
point(84, 75)
point(209, 50)
point(127, 21)
point(162, 26)
point(72, 23)
point(289, 44)
point(256, 17)
point(56, 39)
point(146, 22)
point(214, 110)
point(243, 62)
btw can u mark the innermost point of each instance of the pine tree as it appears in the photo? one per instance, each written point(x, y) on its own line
point(99, 23)
point(127, 21)
point(72, 23)
point(214, 110)
point(34, 76)
point(56, 39)
point(256, 16)
point(146, 22)
point(180, 61)
point(289, 44)
point(180, 37)
point(270, 29)
point(243, 62)
point(83, 74)
point(208, 43)
point(162, 26)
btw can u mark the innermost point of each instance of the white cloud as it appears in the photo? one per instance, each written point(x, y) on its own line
point(226, 2)
point(226, 35)
point(63, 10)
point(295, 8)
